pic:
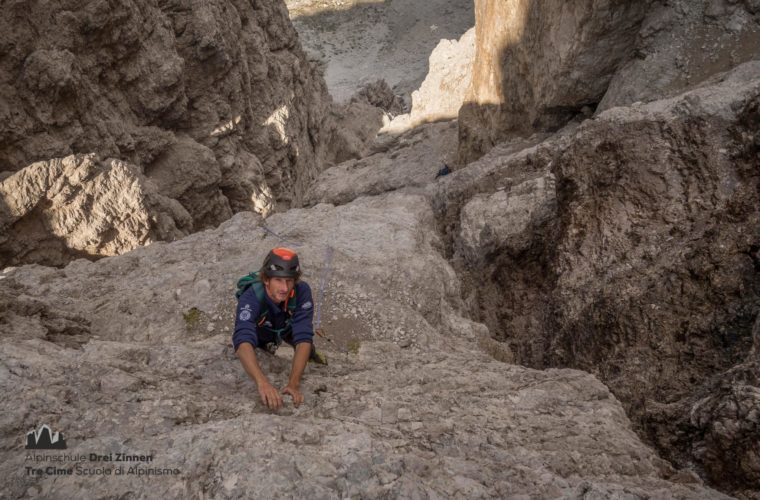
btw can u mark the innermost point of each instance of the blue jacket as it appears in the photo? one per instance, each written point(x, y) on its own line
point(248, 310)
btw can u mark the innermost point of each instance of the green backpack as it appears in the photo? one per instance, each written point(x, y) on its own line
point(253, 280)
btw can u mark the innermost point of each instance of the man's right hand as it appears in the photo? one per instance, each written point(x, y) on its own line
point(270, 396)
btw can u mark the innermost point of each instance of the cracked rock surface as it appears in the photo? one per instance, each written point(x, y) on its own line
point(108, 353)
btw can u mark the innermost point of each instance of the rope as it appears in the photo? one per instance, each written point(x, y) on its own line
point(323, 284)
point(281, 238)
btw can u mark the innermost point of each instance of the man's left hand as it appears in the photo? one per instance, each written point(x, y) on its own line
point(295, 394)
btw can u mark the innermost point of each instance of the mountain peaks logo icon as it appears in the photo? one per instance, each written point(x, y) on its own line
point(45, 439)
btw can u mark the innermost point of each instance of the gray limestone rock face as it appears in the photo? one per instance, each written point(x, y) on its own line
point(505, 220)
point(443, 91)
point(445, 87)
point(409, 160)
point(132, 354)
point(538, 64)
point(214, 101)
point(626, 245)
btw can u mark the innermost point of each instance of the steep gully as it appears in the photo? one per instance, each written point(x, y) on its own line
point(593, 254)
point(543, 244)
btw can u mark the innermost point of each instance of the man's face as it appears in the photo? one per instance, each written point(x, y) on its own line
point(278, 289)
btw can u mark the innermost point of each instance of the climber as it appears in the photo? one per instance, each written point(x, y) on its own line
point(275, 306)
point(444, 170)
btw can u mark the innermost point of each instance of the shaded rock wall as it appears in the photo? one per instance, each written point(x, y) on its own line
point(353, 126)
point(682, 43)
point(214, 100)
point(647, 272)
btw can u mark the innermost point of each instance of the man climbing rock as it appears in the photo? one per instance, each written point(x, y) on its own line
point(444, 170)
point(275, 306)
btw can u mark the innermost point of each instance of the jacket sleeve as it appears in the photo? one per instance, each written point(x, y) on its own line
point(303, 329)
point(246, 314)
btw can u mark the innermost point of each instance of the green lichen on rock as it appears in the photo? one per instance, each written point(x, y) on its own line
point(353, 346)
point(192, 318)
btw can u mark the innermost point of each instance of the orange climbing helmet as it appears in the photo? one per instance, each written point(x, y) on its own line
point(281, 262)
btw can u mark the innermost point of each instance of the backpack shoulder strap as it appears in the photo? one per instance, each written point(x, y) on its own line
point(258, 289)
point(248, 281)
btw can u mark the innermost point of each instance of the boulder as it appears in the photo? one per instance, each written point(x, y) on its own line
point(82, 206)
point(506, 220)
point(409, 160)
